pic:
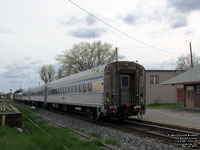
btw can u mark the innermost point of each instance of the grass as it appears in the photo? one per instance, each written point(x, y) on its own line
point(165, 106)
point(49, 138)
point(112, 142)
point(95, 135)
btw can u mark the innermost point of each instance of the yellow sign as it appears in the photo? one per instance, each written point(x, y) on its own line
point(97, 86)
point(3, 119)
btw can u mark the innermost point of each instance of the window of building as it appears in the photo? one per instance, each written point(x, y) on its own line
point(198, 89)
point(154, 79)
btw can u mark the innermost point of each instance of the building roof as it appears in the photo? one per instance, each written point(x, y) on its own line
point(188, 77)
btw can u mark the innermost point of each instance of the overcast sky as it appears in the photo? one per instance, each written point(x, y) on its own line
point(33, 32)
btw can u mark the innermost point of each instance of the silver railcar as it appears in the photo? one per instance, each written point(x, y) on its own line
point(115, 90)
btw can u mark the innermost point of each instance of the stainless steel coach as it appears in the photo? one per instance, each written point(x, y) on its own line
point(115, 90)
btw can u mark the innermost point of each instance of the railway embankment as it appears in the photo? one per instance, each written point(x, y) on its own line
point(120, 140)
point(9, 115)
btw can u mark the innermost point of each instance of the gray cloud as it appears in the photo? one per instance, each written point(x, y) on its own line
point(25, 70)
point(70, 21)
point(90, 20)
point(182, 8)
point(185, 5)
point(87, 32)
point(5, 31)
point(87, 20)
point(130, 19)
point(178, 20)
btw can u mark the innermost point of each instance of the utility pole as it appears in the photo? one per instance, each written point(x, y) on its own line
point(116, 54)
point(191, 55)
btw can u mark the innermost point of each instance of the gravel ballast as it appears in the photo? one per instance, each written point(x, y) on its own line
point(128, 141)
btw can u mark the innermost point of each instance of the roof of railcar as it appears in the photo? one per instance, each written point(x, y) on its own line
point(89, 72)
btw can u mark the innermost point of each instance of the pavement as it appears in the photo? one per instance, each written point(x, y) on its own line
point(181, 117)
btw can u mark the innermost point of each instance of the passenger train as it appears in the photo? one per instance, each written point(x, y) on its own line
point(115, 90)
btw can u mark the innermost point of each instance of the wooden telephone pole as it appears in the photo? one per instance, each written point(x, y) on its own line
point(191, 55)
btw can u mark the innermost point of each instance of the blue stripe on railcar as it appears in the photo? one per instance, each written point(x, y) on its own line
point(80, 80)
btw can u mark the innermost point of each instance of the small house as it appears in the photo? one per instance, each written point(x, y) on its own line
point(191, 83)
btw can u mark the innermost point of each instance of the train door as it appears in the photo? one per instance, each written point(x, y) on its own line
point(126, 89)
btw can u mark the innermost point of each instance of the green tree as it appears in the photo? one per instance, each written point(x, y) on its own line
point(85, 56)
point(184, 62)
point(47, 73)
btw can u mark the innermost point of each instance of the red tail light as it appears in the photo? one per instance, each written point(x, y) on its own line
point(128, 105)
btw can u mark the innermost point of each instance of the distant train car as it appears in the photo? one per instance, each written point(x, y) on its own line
point(17, 95)
point(115, 90)
point(37, 95)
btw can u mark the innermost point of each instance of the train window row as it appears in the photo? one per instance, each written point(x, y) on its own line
point(25, 94)
point(78, 88)
point(37, 93)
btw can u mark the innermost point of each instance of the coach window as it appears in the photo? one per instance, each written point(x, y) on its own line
point(72, 88)
point(154, 79)
point(69, 89)
point(89, 87)
point(124, 81)
point(85, 87)
point(80, 88)
point(65, 90)
point(76, 88)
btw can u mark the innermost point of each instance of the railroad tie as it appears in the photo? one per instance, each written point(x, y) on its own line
point(7, 108)
point(4, 109)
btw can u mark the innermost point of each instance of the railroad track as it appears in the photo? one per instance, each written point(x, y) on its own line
point(176, 135)
point(165, 133)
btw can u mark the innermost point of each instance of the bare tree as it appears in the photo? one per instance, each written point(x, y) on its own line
point(85, 56)
point(184, 62)
point(47, 73)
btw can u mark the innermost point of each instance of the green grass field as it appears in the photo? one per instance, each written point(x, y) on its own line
point(46, 138)
point(165, 106)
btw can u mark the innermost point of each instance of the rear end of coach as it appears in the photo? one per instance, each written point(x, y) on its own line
point(124, 89)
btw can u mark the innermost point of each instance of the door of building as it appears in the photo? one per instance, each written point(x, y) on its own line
point(189, 97)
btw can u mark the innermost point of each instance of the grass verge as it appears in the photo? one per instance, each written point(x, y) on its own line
point(49, 138)
point(165, 106)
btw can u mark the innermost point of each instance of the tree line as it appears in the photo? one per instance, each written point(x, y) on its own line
point(84, 56)
point(80, 57)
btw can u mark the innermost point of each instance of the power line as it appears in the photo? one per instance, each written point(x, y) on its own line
point(125, 34)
